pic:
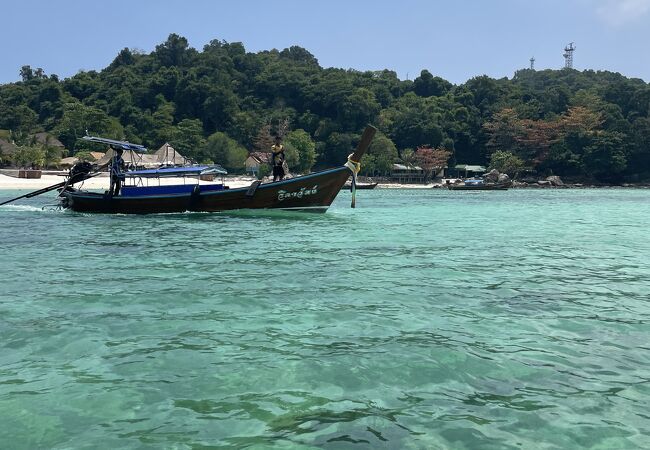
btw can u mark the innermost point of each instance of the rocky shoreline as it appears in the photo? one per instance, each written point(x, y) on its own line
point(557, 183)
point(552, 181)
point(9, 180)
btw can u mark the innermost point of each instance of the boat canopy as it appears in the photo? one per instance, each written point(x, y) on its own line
point(165, 172)
point(124, 145)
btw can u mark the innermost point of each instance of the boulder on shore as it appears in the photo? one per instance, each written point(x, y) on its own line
point(555, 180)
point(544, 183)
point(503, 178)
point(492, 176)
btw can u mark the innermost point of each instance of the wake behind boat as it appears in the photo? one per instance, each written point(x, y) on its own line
point(313, 192)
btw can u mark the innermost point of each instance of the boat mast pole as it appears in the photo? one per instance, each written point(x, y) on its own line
point(366, 139)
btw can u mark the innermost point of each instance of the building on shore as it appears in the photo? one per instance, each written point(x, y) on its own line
point(465, 171)
point(255, 160)
point(407, 174)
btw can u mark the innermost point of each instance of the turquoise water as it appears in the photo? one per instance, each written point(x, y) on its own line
point(423, 319)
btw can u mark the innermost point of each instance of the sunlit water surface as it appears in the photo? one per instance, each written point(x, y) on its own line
point(422, 319)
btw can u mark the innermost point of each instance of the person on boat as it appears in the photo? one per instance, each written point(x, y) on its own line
point(278, 159)
point(117, 172)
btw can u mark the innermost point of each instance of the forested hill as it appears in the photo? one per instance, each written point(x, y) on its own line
point(215, 103)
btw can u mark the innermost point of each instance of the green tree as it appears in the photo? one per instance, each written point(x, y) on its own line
point(605, 158)
point(175, 51)
point(225, 151)
point(413, 121)
point(29, 157)
point(263, 171)
point(359, 109)
point(83, 86)
point(408, 156)
point(306, 149)
point(21, 120)
point(79, 119)
point(381, 156)
point(506, 162)
point(639, 156)
point(187, 138)
point(337, 147)
point(292, 156)
point(161, 127)
point(52, 155)
point(426, 85)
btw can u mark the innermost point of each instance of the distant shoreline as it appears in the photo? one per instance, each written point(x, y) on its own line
point(102, 182)
point(528, 187)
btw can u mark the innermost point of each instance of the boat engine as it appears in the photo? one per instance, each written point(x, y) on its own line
point(80, 171)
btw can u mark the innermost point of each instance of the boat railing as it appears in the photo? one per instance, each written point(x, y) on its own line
point(141, 178)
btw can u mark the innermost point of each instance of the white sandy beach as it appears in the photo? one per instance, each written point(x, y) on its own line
point(101, 182)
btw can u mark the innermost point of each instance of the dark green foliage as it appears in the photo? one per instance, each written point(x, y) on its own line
point(337, 148)
point(426, 85)
point(224, 150)
point(380, 157)
point(29, 156)
point(506, 162)
point(79, 119)
point(180, 95)
point(305, 150)
point(187, 138)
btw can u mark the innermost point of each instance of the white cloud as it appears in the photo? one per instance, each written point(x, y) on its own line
point(620, 12)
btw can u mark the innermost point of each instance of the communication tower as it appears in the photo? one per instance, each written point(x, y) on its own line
point(568, 56)
point(532, 63)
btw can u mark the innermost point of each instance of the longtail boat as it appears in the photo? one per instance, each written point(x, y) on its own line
point(314, 192)
point(479, 185)
point(361, 185)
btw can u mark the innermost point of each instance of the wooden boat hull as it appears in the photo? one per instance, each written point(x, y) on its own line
point(362, 185)
point(314, 192)
point(484, 187)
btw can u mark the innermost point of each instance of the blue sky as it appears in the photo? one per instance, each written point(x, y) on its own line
point(453, 39)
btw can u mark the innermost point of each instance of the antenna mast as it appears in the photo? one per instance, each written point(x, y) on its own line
point(568, 56)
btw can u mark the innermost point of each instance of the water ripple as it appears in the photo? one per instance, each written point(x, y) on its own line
point(422, 319)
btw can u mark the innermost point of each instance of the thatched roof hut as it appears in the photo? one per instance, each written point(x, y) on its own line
point(7, 148)
point(131, 159)
point(44, 138)
point(68, 162)
point(168, 156)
